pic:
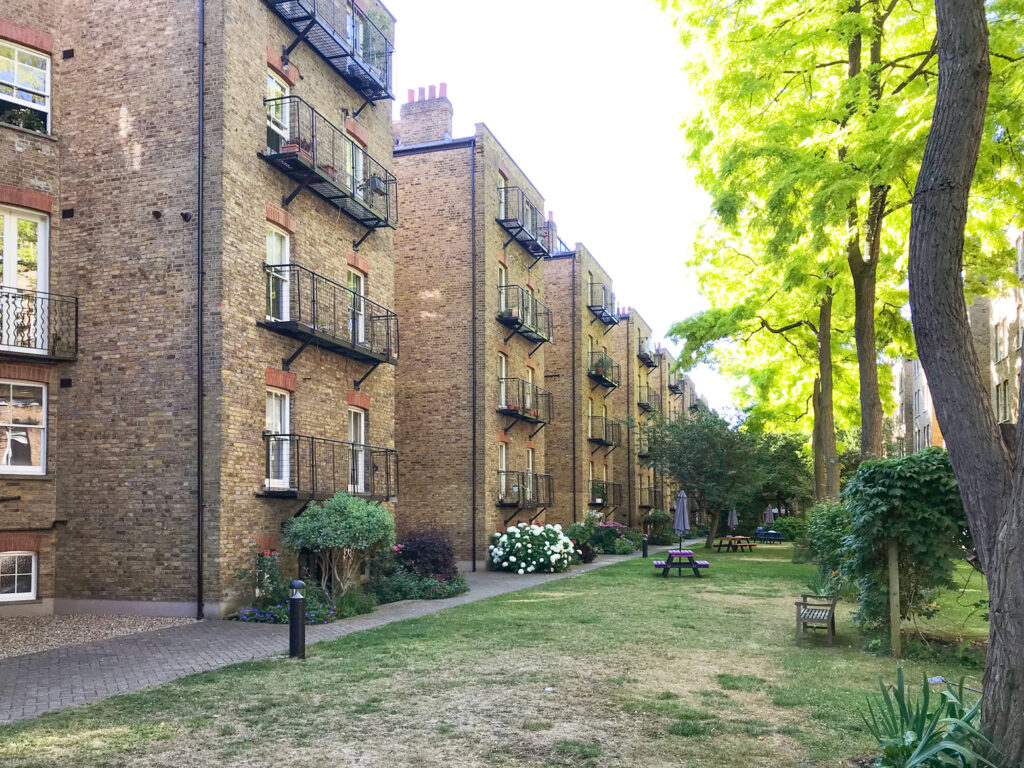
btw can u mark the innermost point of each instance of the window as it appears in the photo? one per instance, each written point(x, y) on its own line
point(22, 428)
point(927, 435)
point(1000, 339)
point(278, 426)
point(917, 368)
point(502, 199)
point(503, 483)
point(1020, 256)
point(1020, 326)
point(357, 307)
point(18, 572)
point(24, 87)
point(24, 274)
point(277, 112)
point(1003, 400)
point(502, 282)
point(528, 394)
point(278, 255)
point(530, 484)
point(502, 383)
point(917, 403)
point(357, 436)
point(590, 417)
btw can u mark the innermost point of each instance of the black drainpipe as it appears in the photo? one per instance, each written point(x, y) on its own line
point(631, 471)
point(473, 318)
point(572, 367)
point(200, 506)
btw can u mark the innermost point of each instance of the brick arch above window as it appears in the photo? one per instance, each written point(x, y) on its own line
point(19, 33)
point(19, 542)
point(21, 197)
point(41, 374)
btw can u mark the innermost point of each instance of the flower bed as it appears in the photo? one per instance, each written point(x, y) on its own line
point(532, 549)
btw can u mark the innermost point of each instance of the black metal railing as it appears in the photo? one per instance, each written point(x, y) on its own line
point(601, 301)
point(646, 354)
point(347, 40)
point(604, 431)
point(311, 307)
point(603, 369)
point(643, 443)
point(523, 312)
point(652, 497)
point(520, 398)
point(648, 398)
point(552, 242)
point(319, 156)
point(526, 490)
point(675, 383)
point(301, 466)
point(38, 323)
point(605, 493)
point(523, 220)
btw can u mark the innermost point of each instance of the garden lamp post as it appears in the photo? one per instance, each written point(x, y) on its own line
point(297, 622)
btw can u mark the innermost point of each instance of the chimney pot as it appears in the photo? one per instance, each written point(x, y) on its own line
point(444, 90)
point(422, 94)
point(433, 92)
point(412, 95)
point(551, 215)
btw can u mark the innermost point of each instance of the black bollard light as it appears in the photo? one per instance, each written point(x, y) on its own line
point(297, 622)
point(644, 545)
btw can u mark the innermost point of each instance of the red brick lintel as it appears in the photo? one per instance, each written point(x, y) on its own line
point(281, 379)
point(26, 198)
point(359, 399)
point(44, 374)
point(19, 33)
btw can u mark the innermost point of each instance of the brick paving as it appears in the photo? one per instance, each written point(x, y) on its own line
point(66, 677)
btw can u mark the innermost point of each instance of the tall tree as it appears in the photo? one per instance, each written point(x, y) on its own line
point(988, 462)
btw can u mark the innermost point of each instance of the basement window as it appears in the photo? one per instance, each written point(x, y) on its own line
point(24, 88)
point(18, 576)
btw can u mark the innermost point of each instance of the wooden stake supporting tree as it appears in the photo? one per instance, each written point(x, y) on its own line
point(894, 600)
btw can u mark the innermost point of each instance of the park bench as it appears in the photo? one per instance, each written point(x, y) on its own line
point(735, 544)
point(680, 559)
point(816, 612)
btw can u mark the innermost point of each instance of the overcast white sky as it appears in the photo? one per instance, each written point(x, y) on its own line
point(588, 97)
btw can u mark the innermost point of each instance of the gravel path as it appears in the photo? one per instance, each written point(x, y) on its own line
point(30, 634)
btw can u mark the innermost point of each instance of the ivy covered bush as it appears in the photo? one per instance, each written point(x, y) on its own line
point(793, 528)
point(916, 501)
point(532, 549)
point(828, 525)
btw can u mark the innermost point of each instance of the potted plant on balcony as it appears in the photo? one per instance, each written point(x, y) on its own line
point(301, 147)
point(328, 169)
point(597, 493)
point(602, 365)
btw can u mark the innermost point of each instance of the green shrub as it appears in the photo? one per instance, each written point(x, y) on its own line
point(828, 525)
point(606, 534)
point(916, 501)
point(624, 546)
point(532, 549)
point(319, 610)
point(793, 528)
point(658, 525)
point(408, 585)
point(341, 533)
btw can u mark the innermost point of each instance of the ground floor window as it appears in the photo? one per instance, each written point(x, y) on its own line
point(22, 428)
point(17, 576)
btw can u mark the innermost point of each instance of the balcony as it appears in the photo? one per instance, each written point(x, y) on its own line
point(305, 467)
point(645, 354)
point(675, 384)
point(601, 302)
point(552, 242)
point(604, 431)
point(523, 221)
point(309, 149)
point(39, 324)
point(342, 34)
point(520, 310)
point(524, 401)
point(525, 490)
point(651, 498)
point(648, 398)
point(604, 493)
point(310, 307)
point(603, 370)
point(643, 444)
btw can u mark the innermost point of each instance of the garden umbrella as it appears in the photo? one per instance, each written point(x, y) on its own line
point(769, 516)
point(681, 524)
point(733, 520)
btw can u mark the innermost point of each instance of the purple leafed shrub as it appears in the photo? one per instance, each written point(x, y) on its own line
point(429, 554)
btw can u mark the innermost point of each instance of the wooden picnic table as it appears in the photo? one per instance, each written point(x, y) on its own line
point(735, 543)
point(680, 559)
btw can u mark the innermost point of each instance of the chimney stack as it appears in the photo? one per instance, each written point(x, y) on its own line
point(426, 118)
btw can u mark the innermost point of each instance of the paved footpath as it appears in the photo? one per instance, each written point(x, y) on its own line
point(66, 677)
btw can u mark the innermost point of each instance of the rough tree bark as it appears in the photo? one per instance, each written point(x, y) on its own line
point(830, 453)
point(816, 443)
point(991, 478)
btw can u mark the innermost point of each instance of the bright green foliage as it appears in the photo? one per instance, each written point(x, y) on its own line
point(913, 735)
point(658, 524)
point(916, 501)
point(828, 525)
point(341, 533)
point(793, 528)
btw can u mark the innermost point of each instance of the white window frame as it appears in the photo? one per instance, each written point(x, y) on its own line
point(502, 470)
point(280, 127)
point(502, 284)
point(356, 283)
point(9, 334)
point(357, 437)
point(23, 596)
point(45, 94)
point(280, 278)
point(283, 458)
point(7, 469)
point(502, 384)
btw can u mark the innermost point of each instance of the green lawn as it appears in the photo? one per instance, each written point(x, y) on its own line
point(612, 667)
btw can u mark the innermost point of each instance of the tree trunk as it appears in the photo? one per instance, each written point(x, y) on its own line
point(827, 411)
point(991, 479)
point(817, 447)
point(713, 521)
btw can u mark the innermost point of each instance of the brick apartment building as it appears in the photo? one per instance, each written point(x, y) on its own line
point(470, 258)
point(586, 378)
point(180, 372)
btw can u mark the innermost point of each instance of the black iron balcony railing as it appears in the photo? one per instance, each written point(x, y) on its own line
point(601, 302)
point(310, 307)
point(605, 493)
point(38, 323)
point(525, 490)
point(643, 443)
point(651, 497)
point(317, 155)
point(604, 431)
point(521, 311)
point(603, 369)
point(347, 40)
point(305, 467)
point(646, 354)
point(675, 384)
point(552, 242)
point(648, 398)
point(523, 220)
point(526, 401)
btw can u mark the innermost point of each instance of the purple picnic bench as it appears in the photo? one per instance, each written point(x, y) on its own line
point(680, 559)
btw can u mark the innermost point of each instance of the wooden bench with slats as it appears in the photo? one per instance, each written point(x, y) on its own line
point(816, 612)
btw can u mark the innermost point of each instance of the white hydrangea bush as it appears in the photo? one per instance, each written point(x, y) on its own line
point(527, 548)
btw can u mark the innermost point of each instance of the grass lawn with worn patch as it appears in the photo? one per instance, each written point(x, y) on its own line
point(613, 667)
